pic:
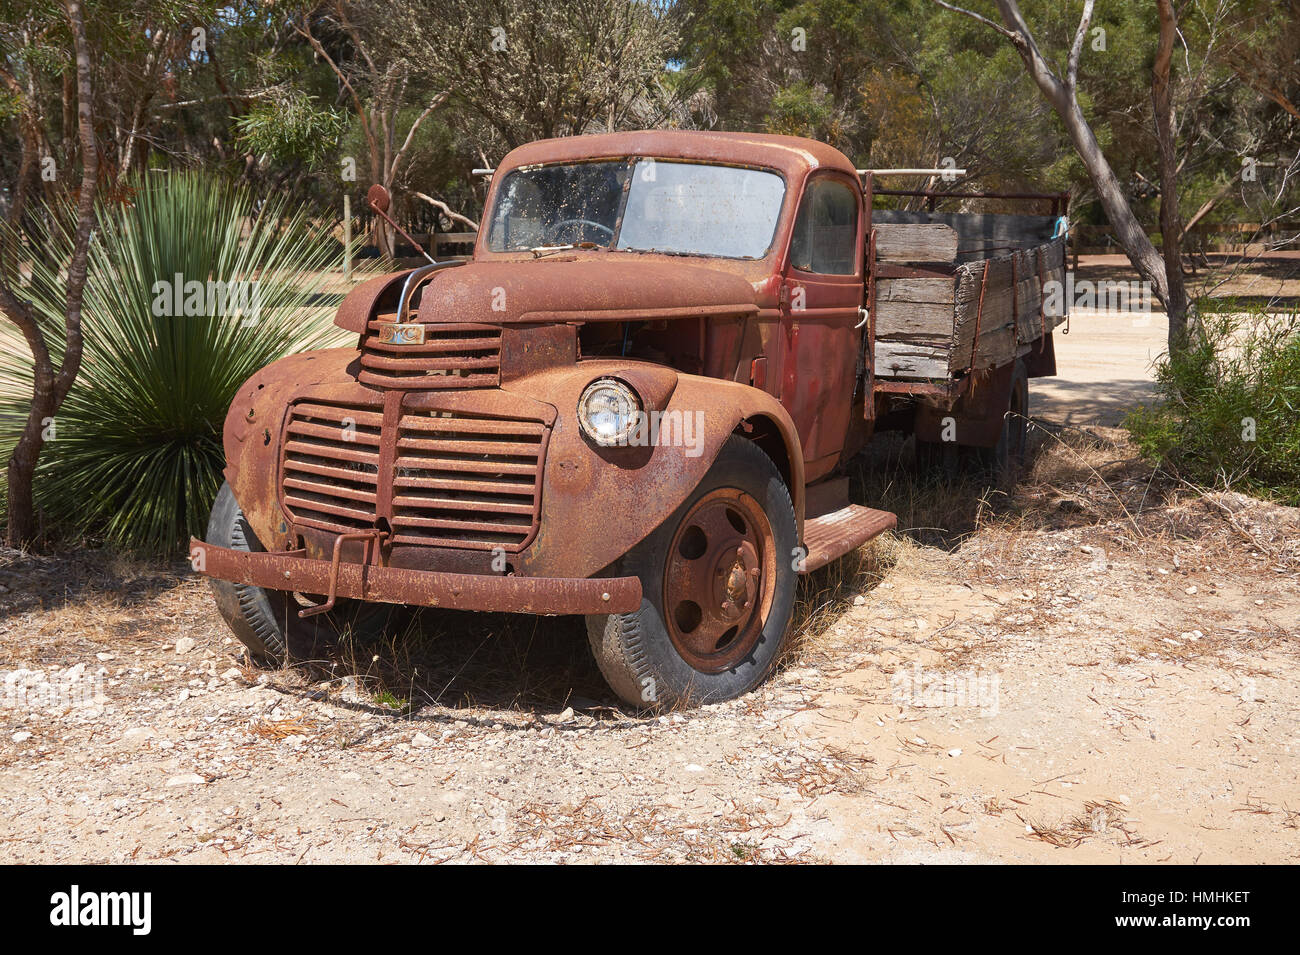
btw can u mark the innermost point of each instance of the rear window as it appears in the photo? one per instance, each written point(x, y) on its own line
point(826, 231)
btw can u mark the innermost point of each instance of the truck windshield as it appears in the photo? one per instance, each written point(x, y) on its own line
point(644, 205)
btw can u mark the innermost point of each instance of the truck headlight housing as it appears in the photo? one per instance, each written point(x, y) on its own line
point(608, 411)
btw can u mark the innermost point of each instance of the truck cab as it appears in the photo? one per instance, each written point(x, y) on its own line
point(633, 402)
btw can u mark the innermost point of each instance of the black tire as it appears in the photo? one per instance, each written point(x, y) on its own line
point(266, 621)
point(637, 652)
point(1003, 462)
point(937, 459)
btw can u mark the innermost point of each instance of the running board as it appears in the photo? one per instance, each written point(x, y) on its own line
point(833, 535)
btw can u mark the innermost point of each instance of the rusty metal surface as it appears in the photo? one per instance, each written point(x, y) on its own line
point(791, 155)
point(592, 503)
point(835, 534)
point(422, 588)
point(602, 286)
point(453, 446)
point(720, 577)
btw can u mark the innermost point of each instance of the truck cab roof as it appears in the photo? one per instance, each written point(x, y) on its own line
point(793, 156)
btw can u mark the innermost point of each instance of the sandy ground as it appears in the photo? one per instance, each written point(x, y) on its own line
point(1104, 363)
point(1093, 669)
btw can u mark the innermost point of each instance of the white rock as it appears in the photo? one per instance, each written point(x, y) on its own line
point(193, 779)
point(185, 644)
point(419, 739)
point(859, 601)
point(694, 768)
point(21, 737)
point(566, 715)
point(954, 752)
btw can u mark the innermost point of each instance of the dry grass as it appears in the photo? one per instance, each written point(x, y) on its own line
point(831, 770)
point(276, 730)
point(1100, 819)
point(741, 835)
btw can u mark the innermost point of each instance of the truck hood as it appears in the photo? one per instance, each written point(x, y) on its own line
point(582, 290)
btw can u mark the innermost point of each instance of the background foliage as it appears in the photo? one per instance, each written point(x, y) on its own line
point(137, 457)
point(213, 115)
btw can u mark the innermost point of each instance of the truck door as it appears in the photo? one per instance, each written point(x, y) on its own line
point(821, 293)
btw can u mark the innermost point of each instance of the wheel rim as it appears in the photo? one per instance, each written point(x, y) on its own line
point(719, 580)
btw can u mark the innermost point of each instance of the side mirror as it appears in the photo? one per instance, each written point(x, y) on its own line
point(378, 198)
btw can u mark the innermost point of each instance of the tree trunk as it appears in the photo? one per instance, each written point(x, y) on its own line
point(50, 388)
point(1171, 226)
point(1163, 273)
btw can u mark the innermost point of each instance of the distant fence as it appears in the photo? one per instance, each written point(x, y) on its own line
point(1223, 237)
point(441, 245)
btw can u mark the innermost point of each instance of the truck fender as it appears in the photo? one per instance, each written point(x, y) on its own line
point(598, 502)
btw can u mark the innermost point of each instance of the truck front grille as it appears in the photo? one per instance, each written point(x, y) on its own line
point(451, 356)
point(463, 481)
point(330, 470)
point(455, 480)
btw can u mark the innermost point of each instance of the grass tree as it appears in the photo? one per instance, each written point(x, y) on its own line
point(193, 287)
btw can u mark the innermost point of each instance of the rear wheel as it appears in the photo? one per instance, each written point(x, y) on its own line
point(1001, 463)
point(266, 621)
point(718, 584)
point(1004, 461)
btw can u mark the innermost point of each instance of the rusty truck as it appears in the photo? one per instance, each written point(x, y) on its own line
point(634, 401)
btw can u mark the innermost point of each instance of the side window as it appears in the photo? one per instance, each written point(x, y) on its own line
point(825, 234)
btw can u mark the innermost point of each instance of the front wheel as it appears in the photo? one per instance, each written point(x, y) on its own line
point(265, 620)
point(718, 587)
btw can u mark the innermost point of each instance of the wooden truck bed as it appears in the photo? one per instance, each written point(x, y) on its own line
point(959, 291)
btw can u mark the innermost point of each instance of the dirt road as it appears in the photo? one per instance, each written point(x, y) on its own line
point(1104, 368)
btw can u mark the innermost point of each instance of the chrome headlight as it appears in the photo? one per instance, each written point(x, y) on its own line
point(608, 411)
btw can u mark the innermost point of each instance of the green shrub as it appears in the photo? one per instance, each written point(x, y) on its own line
point(1230, 409)
point(137, 457)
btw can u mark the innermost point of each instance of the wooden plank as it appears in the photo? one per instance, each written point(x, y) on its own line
point(911, 359)
point(926, 327)
point(1003, 309)
point(979, 235)
point(937, 290)
point(903, 319)
point(922, 242)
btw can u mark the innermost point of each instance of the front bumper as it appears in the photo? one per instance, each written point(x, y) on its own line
point(292, 570)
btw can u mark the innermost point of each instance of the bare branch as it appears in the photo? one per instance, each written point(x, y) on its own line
point(1015, 38)
point(446, 210)
point(437, 101)
point(1076, 50)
